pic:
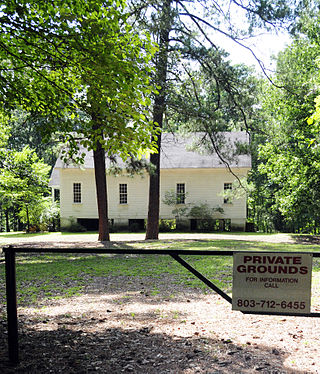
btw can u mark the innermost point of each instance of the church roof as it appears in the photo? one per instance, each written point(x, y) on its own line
point(178, 152)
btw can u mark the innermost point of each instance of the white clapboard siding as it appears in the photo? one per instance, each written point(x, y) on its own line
point(202, 186)
point(203, 174)
point(137, 195)
point(88, 206)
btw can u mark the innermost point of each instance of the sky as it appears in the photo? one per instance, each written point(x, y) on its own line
point(265, 46)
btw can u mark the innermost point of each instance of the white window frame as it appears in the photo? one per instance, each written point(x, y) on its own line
point(181, 193)
point(227, 186)
point(77, 192)
point(123, 193)
point(56, 195)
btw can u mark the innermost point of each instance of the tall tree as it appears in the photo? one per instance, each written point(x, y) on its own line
point(289, 160)
point(159, 107)
point(185, 30)
point(79, 59)
point(4, 136)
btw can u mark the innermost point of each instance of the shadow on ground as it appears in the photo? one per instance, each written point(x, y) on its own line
point(85, 345)
point(306, 239)
point(88, 348)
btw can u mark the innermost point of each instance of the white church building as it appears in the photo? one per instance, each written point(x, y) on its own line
point(196, 178)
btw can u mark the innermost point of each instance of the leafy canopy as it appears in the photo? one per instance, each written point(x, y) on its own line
point(23, 177)
point(82, 64)
point(288, 161)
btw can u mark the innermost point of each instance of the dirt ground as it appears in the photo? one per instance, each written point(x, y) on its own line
point(121, 326)
point(118, 237)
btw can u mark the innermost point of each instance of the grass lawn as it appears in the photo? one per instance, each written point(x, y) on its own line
point(46, 276)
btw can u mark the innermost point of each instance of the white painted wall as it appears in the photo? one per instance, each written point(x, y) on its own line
point(202, 186)
point(138, 190)
point(88, 207)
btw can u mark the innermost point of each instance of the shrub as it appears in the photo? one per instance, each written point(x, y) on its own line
point(166, 225)
point(74, 226)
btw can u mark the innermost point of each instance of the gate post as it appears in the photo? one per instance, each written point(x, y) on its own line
point(12, 317)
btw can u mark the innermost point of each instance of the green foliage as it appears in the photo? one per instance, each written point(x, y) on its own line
point(166, 225)
point(203, 211)
point(4, 131)
point(205, 216)
point(286, 177)
point(81, 65)
point(214, 97)
point(171, 199)
point(78, 58)
point(25, 132)
point(24, 184)
point(23, 176)
point(314, 122)
point(42, 215)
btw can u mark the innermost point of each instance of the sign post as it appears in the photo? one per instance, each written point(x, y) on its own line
point(272, 282)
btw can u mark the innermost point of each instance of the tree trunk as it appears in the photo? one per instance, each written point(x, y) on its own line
point(28, 220)
point(154, 195)
point(7, 220)
point(158, 112)
point(101, 190)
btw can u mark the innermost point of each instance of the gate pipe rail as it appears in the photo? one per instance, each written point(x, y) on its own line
point(11, 291)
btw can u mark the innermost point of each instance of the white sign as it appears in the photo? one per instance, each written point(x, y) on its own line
point(272, 282)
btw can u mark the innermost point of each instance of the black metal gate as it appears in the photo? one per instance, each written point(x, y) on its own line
point(11, 294)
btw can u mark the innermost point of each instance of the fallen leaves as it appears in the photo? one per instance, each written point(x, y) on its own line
point(183, 334)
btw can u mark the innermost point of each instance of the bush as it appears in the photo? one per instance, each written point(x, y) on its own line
point(204, 212)
point(207, 225)
point(34, 229)
point(74, 226)
point(166, 225)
